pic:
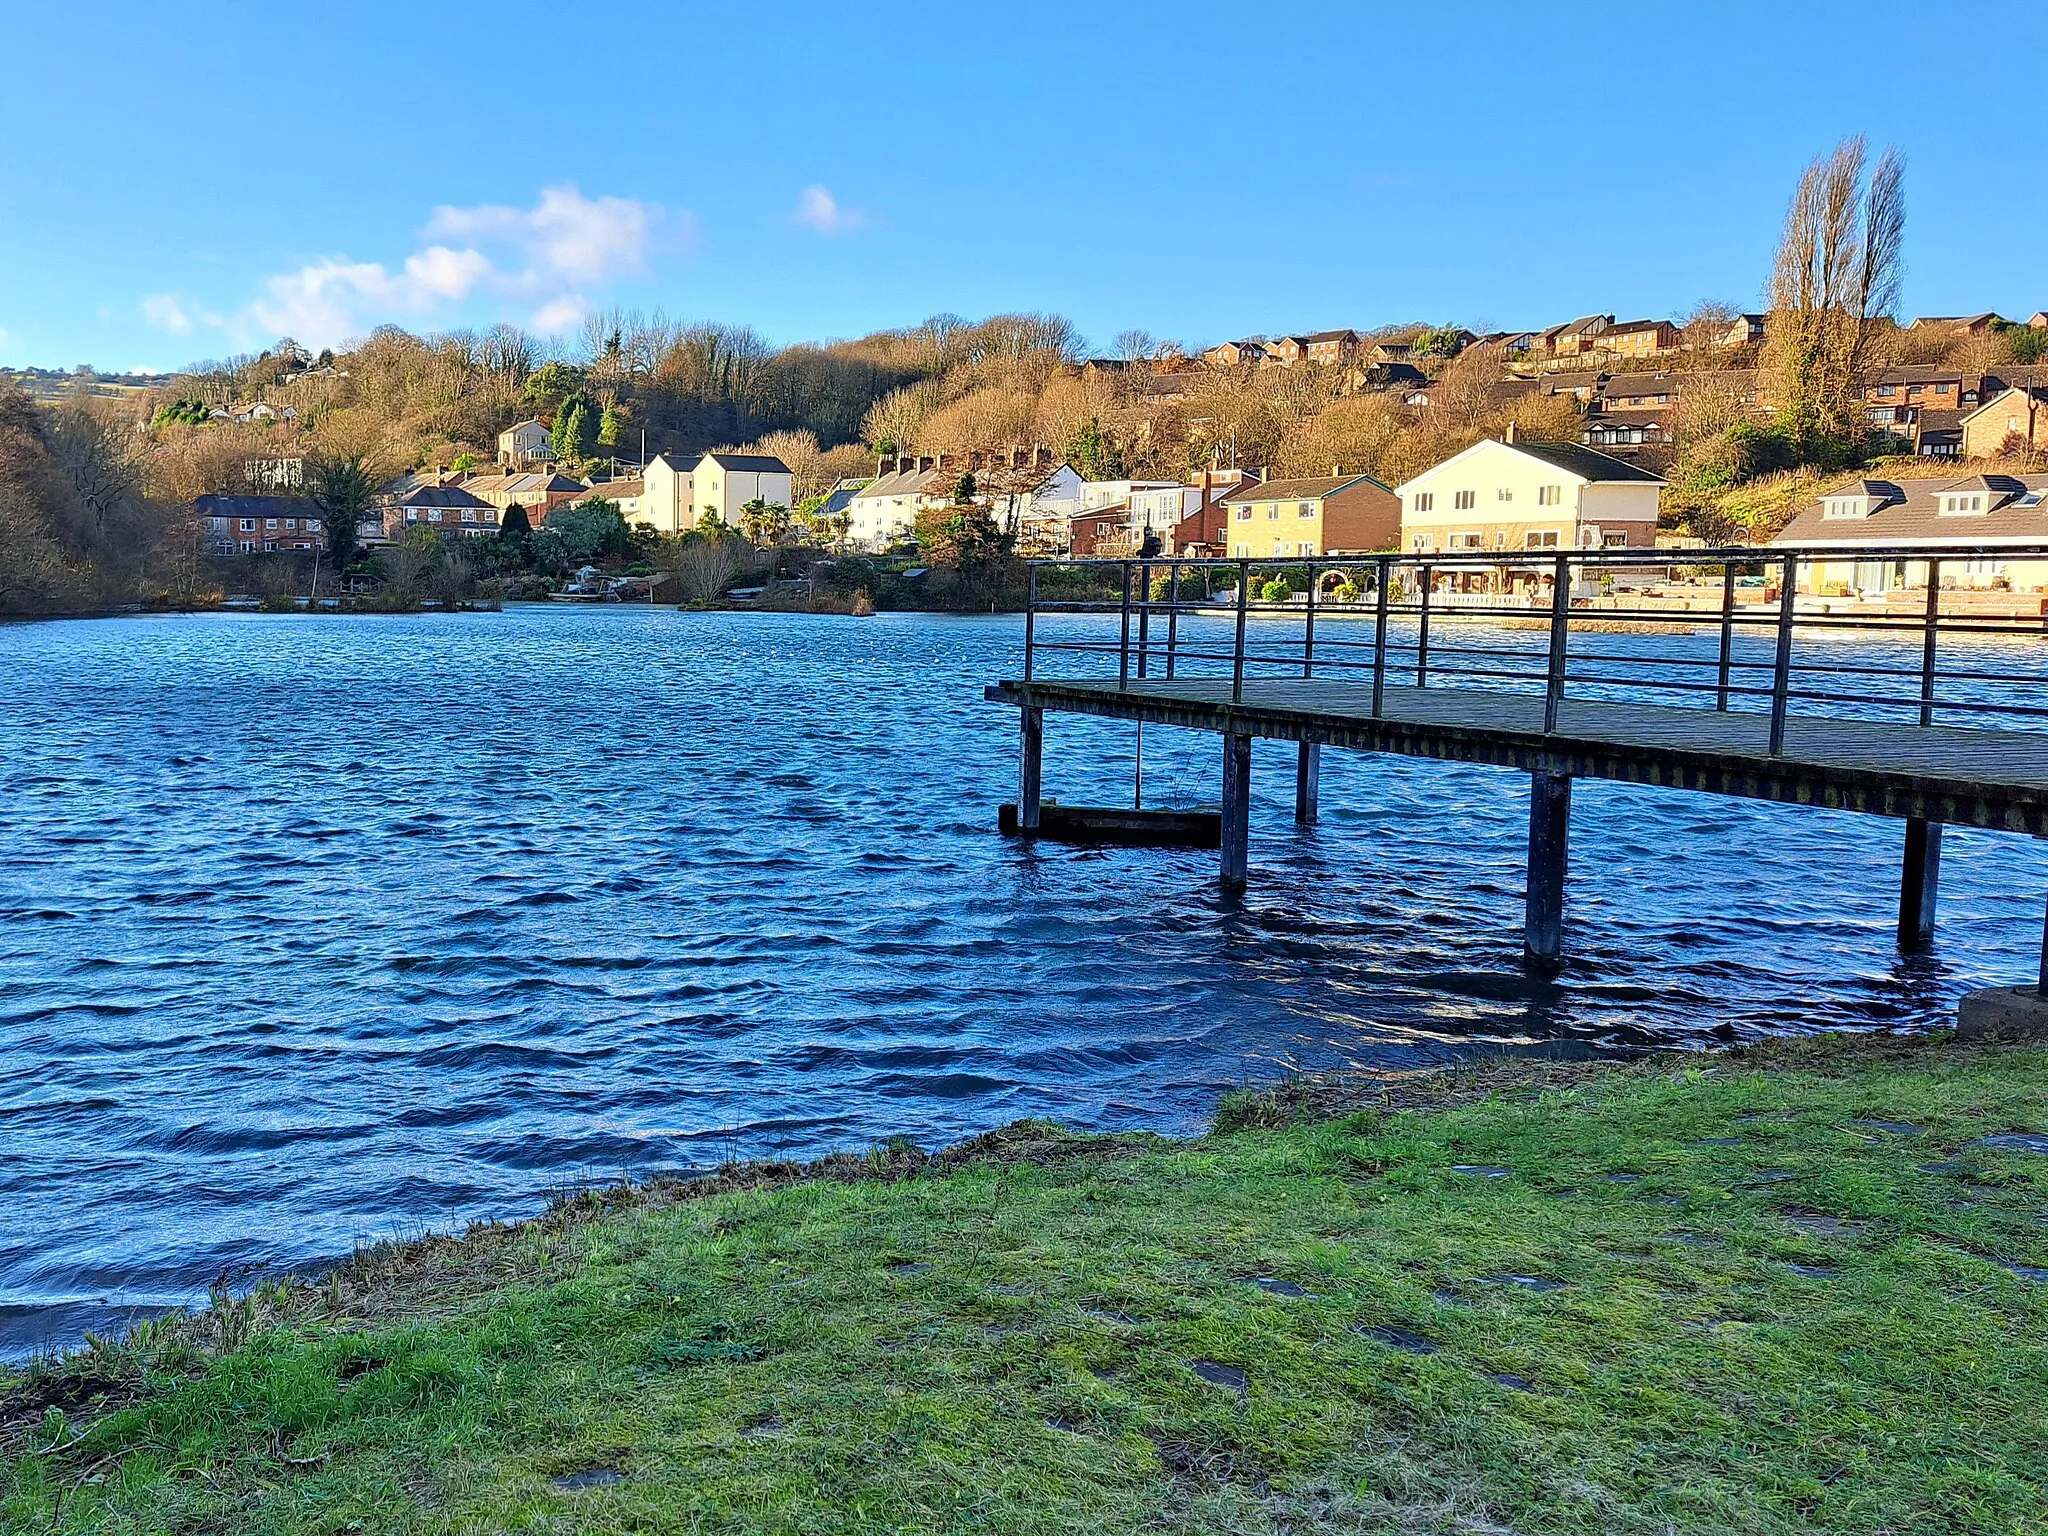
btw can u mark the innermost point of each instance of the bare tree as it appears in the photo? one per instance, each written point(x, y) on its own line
point(1833, 293)
point(706, 567)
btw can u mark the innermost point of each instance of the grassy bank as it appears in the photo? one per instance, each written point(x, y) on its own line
point(1777, 1291)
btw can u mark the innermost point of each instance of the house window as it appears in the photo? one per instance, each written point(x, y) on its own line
point(1305, 509)
point(248, 525)
point(1549, 495)
point(1273, 509)
point(1242, 551)
point(1305, 548)
point(1505, 493)
point(1545, 538)
point(270, 522)
point(1425, 501)
point(1463, 541)
point(1464, 500)
point(1617, 541)
point(1422, 541)
point(1244, 514)
point(1961, 506)
point(291, 522)
point(433, 514)
point(1279, 546)
point(1886, 391)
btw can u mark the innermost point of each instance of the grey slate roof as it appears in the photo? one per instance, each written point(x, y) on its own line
point(753, 463)
point(1311, 488)
point(1911, 513)
point(1587, 463)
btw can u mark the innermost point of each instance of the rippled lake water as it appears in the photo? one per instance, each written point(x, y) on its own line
point(314, 931)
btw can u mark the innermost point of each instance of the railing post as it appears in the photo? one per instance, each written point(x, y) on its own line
point(1123, 663)
point(1308, 633)
point(1244, 582)
point(1560, 629)
point(1030, 617)
point(1928, 640)
point(1727, 634)
point(1781, 669)
point(1172, 616)
point(1422, 631)
point(1379, 642)
point(1030, 769)
point(1144, 614)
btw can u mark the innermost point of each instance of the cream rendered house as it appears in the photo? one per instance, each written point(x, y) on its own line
point(522, 443)
point(665, 499)
point(1527, 498)
point(725, 482)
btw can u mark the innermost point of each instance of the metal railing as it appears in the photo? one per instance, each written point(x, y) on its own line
point(1729, 628)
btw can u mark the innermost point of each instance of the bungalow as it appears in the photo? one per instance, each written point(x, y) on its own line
point(447, 509)
point(1319, 515)
point(248, 525)
point(1871, 514)
point(1526, 496)
point(1962, 325)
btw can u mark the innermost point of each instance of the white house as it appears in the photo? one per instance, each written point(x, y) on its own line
point(523, 442)
point(665, 499)
point(886, 509)
point(1529, 496)
point(725, 482)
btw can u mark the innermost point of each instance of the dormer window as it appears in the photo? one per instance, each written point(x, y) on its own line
point(1968, 504)
point(1836, 507)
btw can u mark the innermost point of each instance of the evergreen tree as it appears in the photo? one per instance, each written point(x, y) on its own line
point(608, 429)
point(1094, 454)
point(346, 493)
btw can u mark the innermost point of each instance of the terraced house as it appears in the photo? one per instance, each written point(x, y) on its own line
point(1325, 515)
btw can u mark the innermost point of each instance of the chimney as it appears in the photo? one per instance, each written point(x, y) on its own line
point(1336, 471)
point(1509, 435)
point(885, 465)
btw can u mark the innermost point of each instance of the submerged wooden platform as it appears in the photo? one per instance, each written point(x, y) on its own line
point(1939, 774)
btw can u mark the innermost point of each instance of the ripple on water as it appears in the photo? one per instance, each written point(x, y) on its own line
point(317, 932)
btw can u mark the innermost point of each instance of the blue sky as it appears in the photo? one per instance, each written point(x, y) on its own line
point(187, 181)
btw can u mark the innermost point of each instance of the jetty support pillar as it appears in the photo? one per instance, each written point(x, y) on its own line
point(1550, 814)
point(1919, 883)
point(1308, 780)
point(1237, 809)
point(1030, 766)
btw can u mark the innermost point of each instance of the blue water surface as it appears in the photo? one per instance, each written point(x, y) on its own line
point(321, 930)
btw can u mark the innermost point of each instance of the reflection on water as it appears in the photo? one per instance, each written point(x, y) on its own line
point(314, 931)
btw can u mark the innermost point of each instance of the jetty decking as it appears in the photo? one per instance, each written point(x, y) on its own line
point(1813, 734)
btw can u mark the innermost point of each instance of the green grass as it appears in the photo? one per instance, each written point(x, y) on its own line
point(1004, 1340)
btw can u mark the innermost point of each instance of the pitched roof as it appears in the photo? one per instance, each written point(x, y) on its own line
point(905, 482)
point(2038, 393)
point(442, 496)
point(219, 504)
point(1334, 335)
point(1311, 488)
point(1633, 325)
point(754, 463)
point(1910, 512)
point(1586, 463)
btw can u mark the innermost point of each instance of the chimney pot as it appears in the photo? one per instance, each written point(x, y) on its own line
point(1509, 435)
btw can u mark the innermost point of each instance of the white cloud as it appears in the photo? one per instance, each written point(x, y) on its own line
point(521, 261)
point(818, 209)
point(558, 315)
point(163, 311)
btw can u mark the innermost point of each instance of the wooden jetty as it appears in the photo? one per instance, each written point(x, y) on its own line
point(1914, 728)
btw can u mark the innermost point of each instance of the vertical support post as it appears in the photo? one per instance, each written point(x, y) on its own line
point(1550, 813)
point(1123, 660)
point(1144, 615)
point(1244, 583)
point(1727, 635)
point(1030, 617)
point(1237, 809)
point(1919, 881)
point(1308, 627)
point(1560, 632)
point(1927, 644)
point(1781, 669)
point(1138, 772)
point(1308, 782)
point(1379, 642)
point(1030, 765)
point(2041, 981)
point(1172, 617)
point(1422, 631)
